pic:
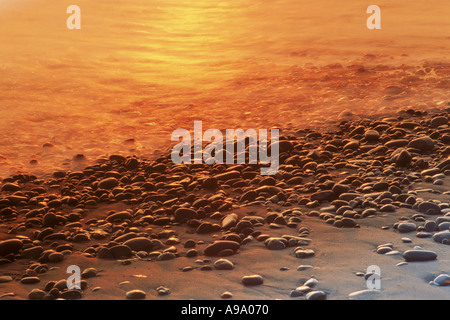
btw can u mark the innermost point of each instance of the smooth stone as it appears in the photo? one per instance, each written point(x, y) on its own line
point(444, 226)
point(429, 207)
point(368, 294)
point(135, 294)
point(442, 280)
point(316, 295)
point(442, 236)
point(419, 255)
point(371, 135)
point(430, 226)
point(252, 280)
point(139, 244)
point(223, 264)
point(226, 295)
point(36, 294)
point(55, 257)
point(10, 246)
point(89, 273)
point(163, 291)
point(120, 251)
point(166, 256)
point(229, 221)
point(383, 250)
point(303, 289)
point(406, 240)
point(32, 253)
point(119, 216)
point(304, 267)
point(70, 295)
point(424, 143)
point(311, 283)
point(423, 235)
point(10, 187)
point(220, 245)
point(438, 121)
point(184, 214)
point(108, 183)
point(405, 227)
point(5, 279)
point(304, 253)
point(29, 280)
point(403, 158)
point(276, 243)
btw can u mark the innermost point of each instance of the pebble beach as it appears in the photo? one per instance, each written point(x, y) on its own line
point(93, 207)
point(372, 191)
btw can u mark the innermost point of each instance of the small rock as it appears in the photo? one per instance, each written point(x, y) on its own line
point(162, 291)
point(226, 295)
point(223, 264)
point(405, 227)
point(135, 294)
point(316, 295)
point(252, 280)
point(29, 280)
point(419, 255)
point(304, 253)
point(89, 273)
point(442, 280)
point(70, 295)
point(304, 267)
point(368, 294)
point(5, 279)
point(36, 294)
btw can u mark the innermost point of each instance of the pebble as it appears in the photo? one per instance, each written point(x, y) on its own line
point(442, 236)
point(276, 243)
point(252, 280)
point(10, 246)
point(430, 226)
point(135, 294)
point(405, 227)
point(139, 244)
point(316, 295)
point(89, 273)
point(384, 250)
point(70, 295)
point(311, 283)
point(226, 295)
point(419, 255)
point(163, 291)
point(304, 253)
point(304, 267)
point(220, 245)
point(442, 280)
point(166, 256)
point(36, 294)
point(424, 143)
point(367, 294)
point(5, 279)
point(29, 280)
point(108, 183)
point(223, 264)
point(429, 208)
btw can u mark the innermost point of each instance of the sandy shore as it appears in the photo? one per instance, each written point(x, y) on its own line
point(340, 257)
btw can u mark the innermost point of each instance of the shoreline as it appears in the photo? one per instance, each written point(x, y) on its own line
point(338, 196)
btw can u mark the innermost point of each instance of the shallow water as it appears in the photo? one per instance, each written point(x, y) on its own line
point(138, 71)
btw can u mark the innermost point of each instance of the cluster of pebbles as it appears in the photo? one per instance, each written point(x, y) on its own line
point(362, 169)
